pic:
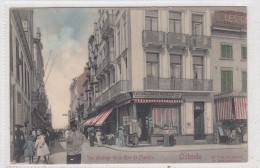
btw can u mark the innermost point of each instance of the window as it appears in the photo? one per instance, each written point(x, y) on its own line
point(152, 65)
point(126, 76)
point(113, 76)
point(119, 70)
point(197, 25)
point(198, 67)
point(11, 49)
point(175, 22)
point(151, 20)
point(28, 82)
point(22, 76)
point(17, 61)
point(226, 51)
point(19, 98)
point(109, 80)
point(226, 81)
point(244, 81)
point(25, 77)
point(124, 41)
point(118, 43)
point(244, 53)
point(175, 66)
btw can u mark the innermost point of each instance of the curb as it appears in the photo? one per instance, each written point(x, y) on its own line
point(173, 150)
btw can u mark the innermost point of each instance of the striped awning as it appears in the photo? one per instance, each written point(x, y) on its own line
point(156, 101)
point(87, 123)
point(124, 103)
point(240, 107)
point(224, 109)
point(95, 119)
point(104, 117)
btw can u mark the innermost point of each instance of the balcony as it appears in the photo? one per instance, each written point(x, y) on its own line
point(153, 39)
point(177, 41)
point(107, 28)
point(177, 84)
point(200, 42)
point(108, 60)
point(116, 89)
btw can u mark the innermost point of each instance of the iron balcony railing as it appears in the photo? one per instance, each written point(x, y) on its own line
point(116, 89)
point(178, 40)
point(153, 37)
point(203, 42)
point(103, 64)
point(178, 84)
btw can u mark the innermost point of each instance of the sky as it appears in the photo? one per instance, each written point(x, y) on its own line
point(64, 33)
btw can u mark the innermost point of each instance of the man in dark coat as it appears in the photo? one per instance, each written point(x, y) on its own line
point(18, 144)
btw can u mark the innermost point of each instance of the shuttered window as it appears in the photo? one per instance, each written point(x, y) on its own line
point(151, 20)
point(244, 53)
point(152, 65)
point(226, 81)
point(244, 81)
point(226, 51)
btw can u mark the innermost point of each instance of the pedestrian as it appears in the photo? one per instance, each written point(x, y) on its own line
point(74, 140)
point(41, 147)
point(91, 137)
point(29, 148)
point(98, 137)
point(18, 142)
point(121, 139)
point(86, 132)
point(166, 141)
point(33, 133)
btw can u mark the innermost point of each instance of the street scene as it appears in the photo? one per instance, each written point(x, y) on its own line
point(128, 85)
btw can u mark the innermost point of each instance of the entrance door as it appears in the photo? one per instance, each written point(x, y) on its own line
point(199, 133)
point(142, 116)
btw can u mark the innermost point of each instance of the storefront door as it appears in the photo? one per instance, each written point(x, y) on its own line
point(199, 133)
point(142, 116)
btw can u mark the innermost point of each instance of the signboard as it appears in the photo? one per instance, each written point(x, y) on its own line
point(157, 95)
point(230, 20)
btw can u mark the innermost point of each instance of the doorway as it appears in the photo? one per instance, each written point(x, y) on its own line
point(143, 111)
point(199, 133)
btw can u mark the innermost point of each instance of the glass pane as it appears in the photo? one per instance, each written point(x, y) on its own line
point(224, 51)
point(175, 59)
point(177, 27)
point(151, 57)
point(171, 26)
point(199, 72)
point(197, 60)
point(148, 69)
point(152, 13)
point(176, 71)
point(148, 24)
point(197, 18)
point(175, 15)
point(155, 70)
point(154, 24)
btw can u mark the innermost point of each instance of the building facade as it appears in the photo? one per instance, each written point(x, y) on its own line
point(151, 69)
point(229, 67)
point(26, 75)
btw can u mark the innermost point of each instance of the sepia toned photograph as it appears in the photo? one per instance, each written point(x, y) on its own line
point(128, 85)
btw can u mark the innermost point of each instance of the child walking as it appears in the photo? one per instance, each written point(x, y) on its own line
point(41, 147)
point(29, 149)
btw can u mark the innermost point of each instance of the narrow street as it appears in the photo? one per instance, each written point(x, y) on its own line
point(97, 155)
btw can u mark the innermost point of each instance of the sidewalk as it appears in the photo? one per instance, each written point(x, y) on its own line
point(176, 148)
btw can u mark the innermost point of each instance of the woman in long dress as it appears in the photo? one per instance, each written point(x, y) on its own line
point(166, 141)
point(41, 147)
point(121, 139)
point(98, 136)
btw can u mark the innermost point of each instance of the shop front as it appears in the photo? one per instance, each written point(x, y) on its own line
point(231, 120)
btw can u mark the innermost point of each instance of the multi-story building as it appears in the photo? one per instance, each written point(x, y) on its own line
point(21, 68)
point(229, 66)
point(151, 68)
point(26, 73)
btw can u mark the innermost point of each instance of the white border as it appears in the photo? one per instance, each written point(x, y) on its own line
point(253, 71)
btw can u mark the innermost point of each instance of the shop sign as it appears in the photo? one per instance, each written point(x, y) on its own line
point(157, 95)
point(230, 20)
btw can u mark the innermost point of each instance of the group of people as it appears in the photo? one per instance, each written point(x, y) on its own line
point(35, 144)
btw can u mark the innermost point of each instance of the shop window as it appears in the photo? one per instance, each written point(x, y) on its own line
point(197, 25)
point(152, 65)
point(244, 81)
point(175, 22)
point(244, 53)
point(198, 67)
point(151, 20)
point(175, 66)
point(226, 51)
point(226, 81)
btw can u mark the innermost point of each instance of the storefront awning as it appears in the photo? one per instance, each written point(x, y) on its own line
point(240, 107)
point(224, 109)
point(87, 123)
point(104, 117)
point(156, 101)
point(95, 119)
